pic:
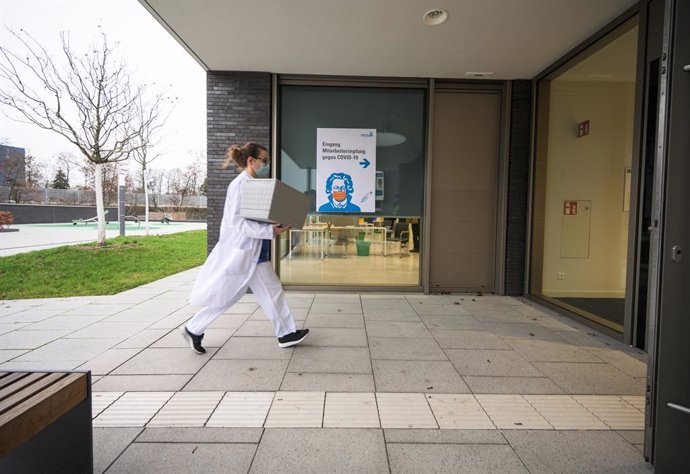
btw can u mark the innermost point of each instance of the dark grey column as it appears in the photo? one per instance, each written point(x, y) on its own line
point(238, 108)
point(518, 186)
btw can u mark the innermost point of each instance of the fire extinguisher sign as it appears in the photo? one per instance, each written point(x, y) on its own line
point(569, 208)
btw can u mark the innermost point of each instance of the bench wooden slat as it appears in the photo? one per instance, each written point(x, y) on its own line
point(26, 388)
point(10, 377)
point(20, 384)
point(33, 414)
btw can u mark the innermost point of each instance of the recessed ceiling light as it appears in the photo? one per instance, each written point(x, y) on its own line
point(479, 74)
point(435, 17)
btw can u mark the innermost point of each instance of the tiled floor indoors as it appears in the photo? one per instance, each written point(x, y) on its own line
point(385, 383)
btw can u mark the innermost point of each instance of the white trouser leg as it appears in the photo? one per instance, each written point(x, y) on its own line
point(268, 290)
point(203, 319)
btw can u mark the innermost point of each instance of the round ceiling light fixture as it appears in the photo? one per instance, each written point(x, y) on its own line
point(435, 17)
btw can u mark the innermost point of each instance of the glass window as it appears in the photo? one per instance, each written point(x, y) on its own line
point(583, 180)
point(356, 249)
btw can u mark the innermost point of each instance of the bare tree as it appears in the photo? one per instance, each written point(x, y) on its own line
point(90, 101)
point(149, 120)
point(36, 172)
point(14, 175)
point(184, 182)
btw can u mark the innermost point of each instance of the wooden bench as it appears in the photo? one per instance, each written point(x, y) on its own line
point(45, 422)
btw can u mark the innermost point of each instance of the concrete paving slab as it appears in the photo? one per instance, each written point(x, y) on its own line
point(450, 321)
point(396, 329)
point(391, 315)
point(67, 349)
point(523, 331)
point(106, 330)
point(305, 382)
point(239, 375)
point(417, 376)
point(495, 315)
point(299, 314)
point(468, 339)
point(165, 361)
point(336, 307)
point(137, 316)
point(623, 362)
point(200, 435)
point(331, 360)
point(6, 355)
point(143, 339)
point(185, 457)
point(297, 300)
point(486, 362)
point(321, 450)
point(337, 337)
point(30, 315)
point(94, 309)
point(444, 436)
point(253, 348)
point(108, 361)
point(576, 451)
point(336, 298)
point(9, 327)
point(171, 322)
point(399, 348)
point(601, 379)
point(257, 329)
point(373, 304)
point(449, 309)
point(142, 383)
point(438, 458)
point(109, 443)
point(229, 321)
point(551, 351)
point(518, 385)
point(315, 320)
point(42, 365)
point(67, 323)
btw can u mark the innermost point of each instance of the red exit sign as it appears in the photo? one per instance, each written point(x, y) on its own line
point(583, 129)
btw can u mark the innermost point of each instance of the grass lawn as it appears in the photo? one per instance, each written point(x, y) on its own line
point(82, 270)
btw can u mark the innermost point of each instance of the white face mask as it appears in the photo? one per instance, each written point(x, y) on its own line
point(263, 171)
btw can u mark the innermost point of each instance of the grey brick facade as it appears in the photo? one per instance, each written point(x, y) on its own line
point(518, 186)
point(238, 111)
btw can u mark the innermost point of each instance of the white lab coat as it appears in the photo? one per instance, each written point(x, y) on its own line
point(232, 261)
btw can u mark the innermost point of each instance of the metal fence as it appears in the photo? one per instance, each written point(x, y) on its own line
point(88, 198)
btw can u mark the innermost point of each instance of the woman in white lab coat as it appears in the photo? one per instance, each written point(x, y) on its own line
point(240, 261)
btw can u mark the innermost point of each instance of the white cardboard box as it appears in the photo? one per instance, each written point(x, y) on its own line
point(271, 200)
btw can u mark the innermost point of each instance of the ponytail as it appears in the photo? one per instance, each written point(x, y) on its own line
point(238, 154)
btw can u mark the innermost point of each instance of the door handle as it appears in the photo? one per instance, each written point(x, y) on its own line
point(686, 68)
point(680, 408)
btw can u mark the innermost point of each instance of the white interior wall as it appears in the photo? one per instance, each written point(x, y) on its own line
point(590, 168)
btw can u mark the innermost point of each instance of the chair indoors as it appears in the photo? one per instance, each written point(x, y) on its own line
point(337, 239)
point(401, 236)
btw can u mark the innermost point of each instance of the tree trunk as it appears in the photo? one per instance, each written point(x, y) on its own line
point(146, 204)
point(99, 205)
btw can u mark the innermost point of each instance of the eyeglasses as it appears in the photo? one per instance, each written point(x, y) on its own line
point(265, 161)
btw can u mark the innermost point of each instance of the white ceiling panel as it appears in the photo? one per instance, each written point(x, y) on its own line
point(515, 39)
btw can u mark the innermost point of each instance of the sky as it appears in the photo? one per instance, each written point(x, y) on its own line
point(149, 51)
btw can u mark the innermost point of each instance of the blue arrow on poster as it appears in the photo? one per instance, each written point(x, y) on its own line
point(364, 163)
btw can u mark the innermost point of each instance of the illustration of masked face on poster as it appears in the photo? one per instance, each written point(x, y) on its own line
point(339, 189)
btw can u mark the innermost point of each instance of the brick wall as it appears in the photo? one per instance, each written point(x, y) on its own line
point(238, 107)
point(518, 181)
